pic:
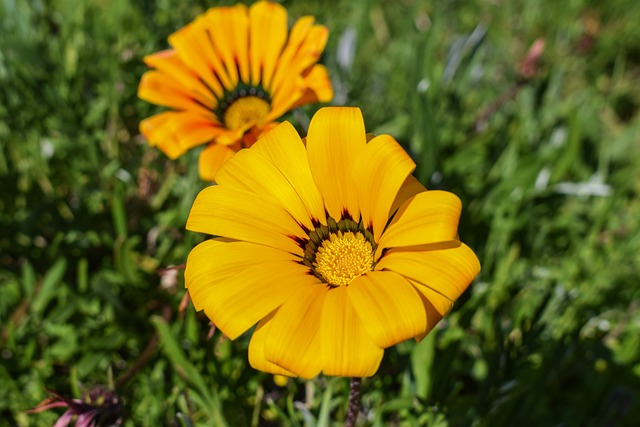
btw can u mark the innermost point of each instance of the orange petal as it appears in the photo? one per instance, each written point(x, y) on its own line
point(318, 86)
point(240, 215)
point(314, 44)
point(194, 47)
point(229, 34)
point(286, 97)
point(447, 272)
point(335, 139)
point(192, 130)
point(390, 309)
point(211, 160)
point(268, 23)
point(379, 172)
point(286, 66)
point(158, 89)
point(428, 217)
point(169, 63)
point(347, 349)
point(156, 130)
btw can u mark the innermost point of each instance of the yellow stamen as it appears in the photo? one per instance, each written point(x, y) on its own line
point(245, 112)
point(343, 257)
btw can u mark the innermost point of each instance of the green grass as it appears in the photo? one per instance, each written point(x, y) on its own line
point(548, 335)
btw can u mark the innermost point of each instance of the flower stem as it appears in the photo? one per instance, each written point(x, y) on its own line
point(354, 402)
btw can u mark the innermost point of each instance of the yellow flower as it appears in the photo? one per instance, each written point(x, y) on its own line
point(331, 246)
point(229, 75)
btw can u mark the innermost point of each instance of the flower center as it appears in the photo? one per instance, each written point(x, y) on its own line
point(245, 111)
point(343, 257)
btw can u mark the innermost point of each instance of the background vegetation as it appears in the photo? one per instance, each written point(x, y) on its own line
point(546, 160)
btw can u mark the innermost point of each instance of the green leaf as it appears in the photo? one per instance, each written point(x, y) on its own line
point(187, 371)
point(50, 283)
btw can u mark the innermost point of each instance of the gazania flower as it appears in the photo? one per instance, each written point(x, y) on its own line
point(230, 74)
point(331, 247)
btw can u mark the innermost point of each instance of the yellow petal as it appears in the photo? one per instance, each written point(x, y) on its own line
point(282, 146)
point(257, 359)
point(335, 139)
point(169, 63)
point(250, 171)
point(214, 261)
point(436, 306)
point(240, 301)
point(240, 215)
point(293, 339)
point(429, 217)
point(390, 309)
point(379, 172)
point(347, 349)
point(268, 22)
point(447, 272)
point(410, 188)
point(211, 160)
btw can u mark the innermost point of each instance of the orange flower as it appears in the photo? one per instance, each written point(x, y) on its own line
point(230, 74)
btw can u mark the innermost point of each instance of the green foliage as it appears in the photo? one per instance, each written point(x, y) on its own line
point(547, 167)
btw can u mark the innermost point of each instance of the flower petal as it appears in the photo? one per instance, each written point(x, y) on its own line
point(231, 258)
point(191, 129)
point(286, 97)
point(250, 171)
point(156, 130)
point(229, 33)
point(194, 47)
point(268, 22)
point(304, 47)
point(257, 359)
point(347, 349)
point(447, 272)
point(436, 306)
point(335, 139)
point(318, 86)
point(156, 88)
point(390, 309)
point(212, 158)
point(410, 188)
point(217, 211)
point(242, 300)
point(286, 66)
point(379, 172)
point(284, 148)
point(428, 217)
point(293, 339)
point(169, 63)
